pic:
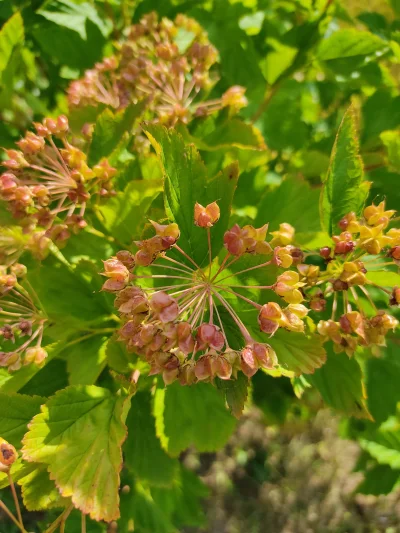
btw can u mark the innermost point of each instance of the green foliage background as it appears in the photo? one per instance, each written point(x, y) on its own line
point(303, 63)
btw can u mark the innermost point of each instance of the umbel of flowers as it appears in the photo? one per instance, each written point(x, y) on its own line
point(365, 245)
point(151, 64)
point(48, 183)
point(179, 328)
point(22, 322)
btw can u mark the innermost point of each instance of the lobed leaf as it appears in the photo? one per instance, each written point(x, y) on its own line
point(78, 435)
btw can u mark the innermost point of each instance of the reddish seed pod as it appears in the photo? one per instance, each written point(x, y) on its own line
point(325, 252)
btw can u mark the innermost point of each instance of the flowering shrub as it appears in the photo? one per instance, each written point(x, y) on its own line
point(198, 214)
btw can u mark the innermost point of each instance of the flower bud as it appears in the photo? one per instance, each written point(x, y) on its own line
point(208, 335)
point(35, 355)
point(8, 454)
point(206, 217)
point(164, 306)
point(325, 252)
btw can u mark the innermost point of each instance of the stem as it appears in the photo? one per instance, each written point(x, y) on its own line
point(15, 497)
point(83, 523)
point(171, 268)
point(334, 306)
point(209, 251)
point(211, 306)
point(364, 290)
point(228, 255)
point(178, 263)
point(265, 103)
point(187, 257)
point(257, 306)
point(239, 323)
point(11, 516)
point(222, 327)
point(245, 270)
point(58, 522)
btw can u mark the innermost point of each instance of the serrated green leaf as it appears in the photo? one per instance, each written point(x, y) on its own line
point(11, 34)
point(16, 411)
point(235, 392)
point(297, 352)
point(350, 42)
point(39, 492)
point(143, 453)
point(340, 383)
point(343, 188)
point(183, 418)
point(186, 182)
point(109, 129)
point(79, 435)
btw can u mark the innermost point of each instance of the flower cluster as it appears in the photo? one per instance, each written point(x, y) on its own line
point(22, 322)
point(152, 64)
point(48, 181)
point(180, 327)
point(363, 247)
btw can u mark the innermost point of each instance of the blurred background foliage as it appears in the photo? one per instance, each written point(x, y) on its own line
point(289, 467)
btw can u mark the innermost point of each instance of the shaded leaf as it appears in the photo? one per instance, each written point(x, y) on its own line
point(235, 392)
point(86, 360)
point(183, 418)
point(16, 411)
point(11, 34)
point(340, 383)
point(143, 453)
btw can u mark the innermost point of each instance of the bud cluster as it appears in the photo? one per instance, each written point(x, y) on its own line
point(180, 327)
point(48, 182)
point(364, 246)
point(151, 65)
point(22, 323)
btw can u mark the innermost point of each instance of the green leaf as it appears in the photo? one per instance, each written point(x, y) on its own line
point(11, 34)
point(39, 492)
point(235, 392)
point(186, 182)
point(298, 352)
point(183, 418)
point(384, 444)
point(388, 117)
point(350, 42)
point(274, 396)
point(16, 411)
point(139, 508)
point(380, 479)
point(278, 60)
point(182, 502)
point(109, 130)
point(72, 16)
point(340, 383)
point(293, 201)
point(343, 189)
point(86, 360)
point(391, 139)
point(143, 453)
point(79, 435)
point(382, 383)
point(124, 215)
point(232, 132)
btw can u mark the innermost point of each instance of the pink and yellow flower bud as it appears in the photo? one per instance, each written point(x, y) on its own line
point(283, 236)
point(206, 217)
point(287, 287)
